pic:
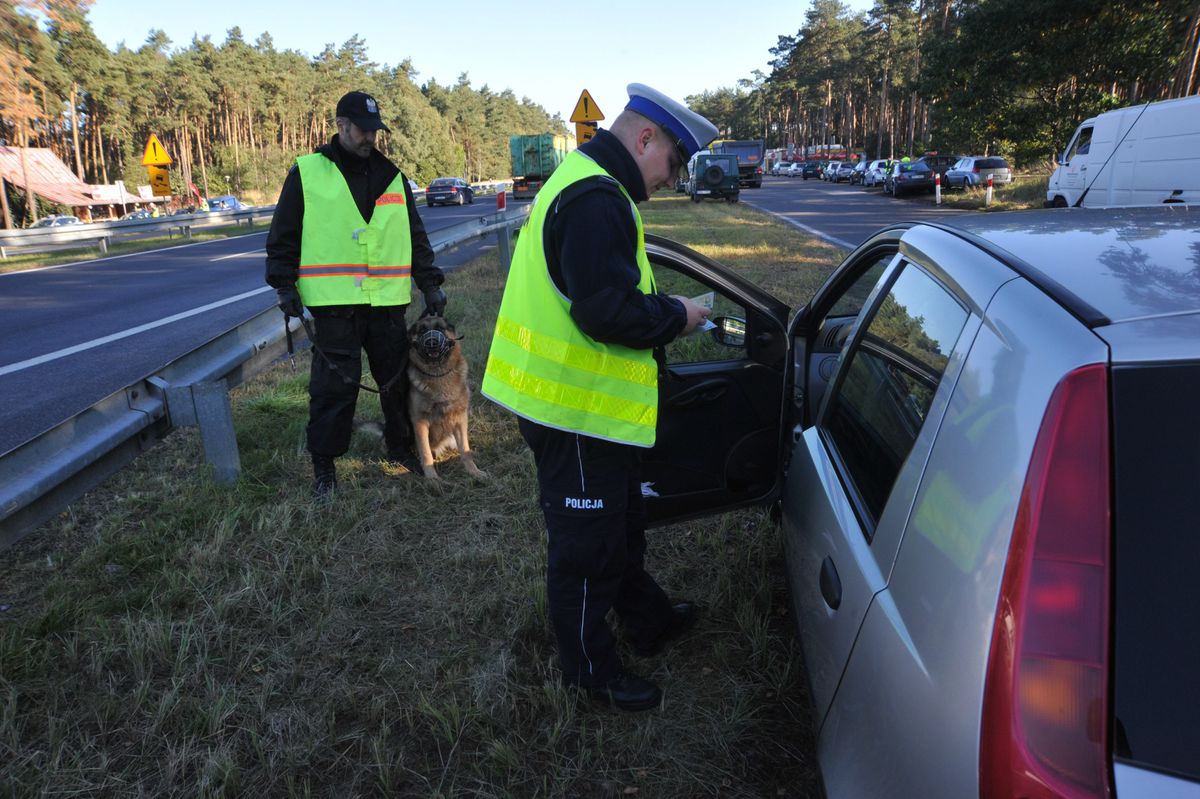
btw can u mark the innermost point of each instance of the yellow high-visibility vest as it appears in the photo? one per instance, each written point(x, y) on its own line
point(543, 367)
point(343, 259)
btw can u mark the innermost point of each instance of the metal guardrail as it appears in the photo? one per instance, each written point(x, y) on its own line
point(101, 234)
point(42, 476)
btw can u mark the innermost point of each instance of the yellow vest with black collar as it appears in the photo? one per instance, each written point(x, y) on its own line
point(543, 367)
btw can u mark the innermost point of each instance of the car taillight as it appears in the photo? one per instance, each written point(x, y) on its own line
point(454, 189)
point(975, 168)
point(1045, 709)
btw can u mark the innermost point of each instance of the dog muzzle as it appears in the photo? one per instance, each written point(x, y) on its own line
point(434, 345)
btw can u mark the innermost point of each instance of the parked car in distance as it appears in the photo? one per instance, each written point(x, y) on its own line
point(876, 172)
point(982, 433)
point(811, 169)
point(449, 191)
point(973, 170)
point(858, 173)
point(829, 169)
point(940, 163)
point(844, 171)
point(780, 168)
point(796, 169)
point(55, 220)
point(907, 177)
point(713, 175)
point(140, 213)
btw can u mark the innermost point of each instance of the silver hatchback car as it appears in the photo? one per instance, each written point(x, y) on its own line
point(984, 436)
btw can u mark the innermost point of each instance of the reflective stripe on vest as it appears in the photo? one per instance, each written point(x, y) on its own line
point(543, 367)
point(343, 259)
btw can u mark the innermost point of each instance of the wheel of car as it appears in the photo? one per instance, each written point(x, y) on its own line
point(695, 197)
point(462, 198)
point(1059, 201)
point(471, 198)
point(734, 197)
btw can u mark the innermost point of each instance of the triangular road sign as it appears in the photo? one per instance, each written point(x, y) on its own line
point(586, 109)
point(156, 154)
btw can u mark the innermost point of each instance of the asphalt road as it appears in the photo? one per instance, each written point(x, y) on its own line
point(71, 335)
point(839, 213)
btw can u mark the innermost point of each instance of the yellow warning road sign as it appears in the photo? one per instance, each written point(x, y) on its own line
point(160, 180)
point(586, 109)
point(156, 154)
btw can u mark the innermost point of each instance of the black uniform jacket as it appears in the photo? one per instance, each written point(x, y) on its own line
point(367, 178)
point(591, 250)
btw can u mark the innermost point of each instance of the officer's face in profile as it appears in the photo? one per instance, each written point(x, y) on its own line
point(354, 139)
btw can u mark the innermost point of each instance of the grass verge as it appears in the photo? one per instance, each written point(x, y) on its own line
point(165, 636)
point(21, 263)
point(1024, 192)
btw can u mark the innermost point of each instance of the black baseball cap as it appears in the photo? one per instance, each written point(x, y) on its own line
point(361, 109)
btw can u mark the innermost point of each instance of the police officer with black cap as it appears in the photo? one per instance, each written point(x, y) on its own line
point(347, 242)
point(573, 356)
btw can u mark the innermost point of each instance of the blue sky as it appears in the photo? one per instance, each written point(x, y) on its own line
point(545, 51)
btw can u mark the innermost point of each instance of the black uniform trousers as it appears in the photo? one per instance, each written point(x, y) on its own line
point(343, 332)
point(591, 497)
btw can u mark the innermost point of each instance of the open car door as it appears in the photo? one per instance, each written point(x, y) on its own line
point(721, 402)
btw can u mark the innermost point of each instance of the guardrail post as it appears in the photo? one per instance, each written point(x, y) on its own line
point(504, 248)
point(104, 244)
point(206, 405)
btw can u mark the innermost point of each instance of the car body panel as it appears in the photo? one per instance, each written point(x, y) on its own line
point(920, 662)
point(898, 664)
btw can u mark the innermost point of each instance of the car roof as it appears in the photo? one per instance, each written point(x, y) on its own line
point(1105, 265)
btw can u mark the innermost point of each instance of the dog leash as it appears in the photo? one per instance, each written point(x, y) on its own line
point(312, 337)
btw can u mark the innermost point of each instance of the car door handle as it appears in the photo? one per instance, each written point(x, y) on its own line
point(705, 391)
point(831, 584)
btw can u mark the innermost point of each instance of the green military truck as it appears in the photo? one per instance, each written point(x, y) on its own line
point(534, 159)
point(749, 154)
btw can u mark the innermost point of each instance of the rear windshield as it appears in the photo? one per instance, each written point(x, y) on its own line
point(992, 163)
point(1156, 626)
point(442, 182)
point(915, 166)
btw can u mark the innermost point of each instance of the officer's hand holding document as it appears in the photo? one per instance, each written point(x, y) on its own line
point(704, 301)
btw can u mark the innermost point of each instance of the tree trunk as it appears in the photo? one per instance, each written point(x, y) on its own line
point(203, 166)
point(75, 129)
point(30, 198)
point(1187, 78)
point(8, 223)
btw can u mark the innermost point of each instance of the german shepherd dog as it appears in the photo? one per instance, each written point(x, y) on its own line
point(438, 397)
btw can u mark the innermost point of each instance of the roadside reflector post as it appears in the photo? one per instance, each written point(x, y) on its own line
point(937, 188)
point(987, 198)
point(501, 199)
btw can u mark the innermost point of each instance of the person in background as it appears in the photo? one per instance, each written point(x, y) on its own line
point(347, 243)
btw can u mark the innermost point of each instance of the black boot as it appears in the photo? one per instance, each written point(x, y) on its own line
point(324, 478)
point(628, 692)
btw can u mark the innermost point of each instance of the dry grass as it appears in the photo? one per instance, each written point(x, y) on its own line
point(166, 636)
point(1024, 192)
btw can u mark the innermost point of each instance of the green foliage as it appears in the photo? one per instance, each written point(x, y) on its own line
point(1012, 77)
point(233, 116)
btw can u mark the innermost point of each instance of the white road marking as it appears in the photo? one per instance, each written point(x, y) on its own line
point(810, 230)
point(239, 254)
point(133, 331)
point(127, 255)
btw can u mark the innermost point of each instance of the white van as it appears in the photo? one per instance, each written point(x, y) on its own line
point(1142, 155)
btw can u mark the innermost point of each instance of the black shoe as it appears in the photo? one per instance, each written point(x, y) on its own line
point(405, 458)
point(628, 692)
point(683, 618)
point(324, 479)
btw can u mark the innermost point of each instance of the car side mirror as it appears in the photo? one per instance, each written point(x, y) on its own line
point(729, 330)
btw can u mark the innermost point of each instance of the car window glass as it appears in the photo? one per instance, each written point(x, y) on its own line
point(698, 347)
point(1082, 144)
point(854, 298)
point(888, 384)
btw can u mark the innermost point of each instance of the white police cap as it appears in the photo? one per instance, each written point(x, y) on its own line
point(691, 131)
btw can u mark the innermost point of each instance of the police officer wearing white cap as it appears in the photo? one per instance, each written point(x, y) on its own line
point(574, 356)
